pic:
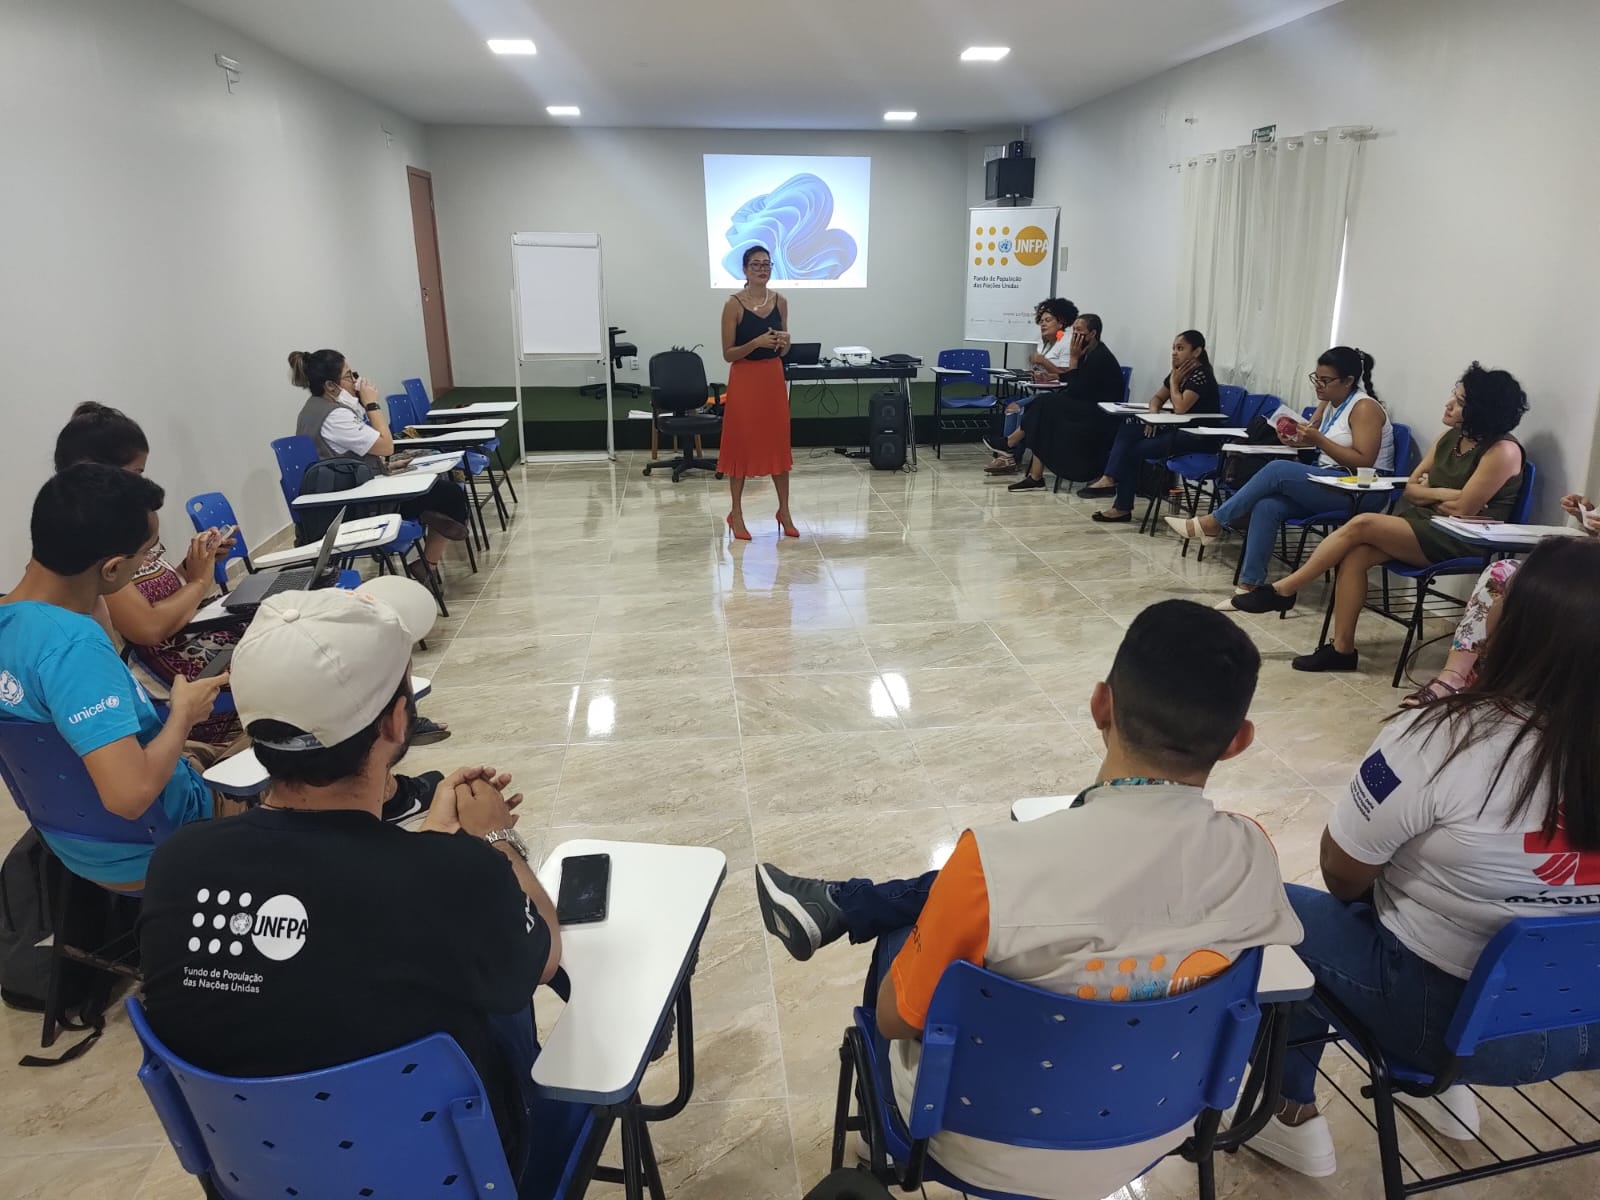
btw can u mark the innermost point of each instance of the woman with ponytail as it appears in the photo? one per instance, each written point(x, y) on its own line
point(1191, 386)
point(1349, 429)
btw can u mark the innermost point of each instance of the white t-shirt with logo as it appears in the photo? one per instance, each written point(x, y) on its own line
point(1454, 872)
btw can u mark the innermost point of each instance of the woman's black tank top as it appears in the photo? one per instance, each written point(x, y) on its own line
point(751, 327)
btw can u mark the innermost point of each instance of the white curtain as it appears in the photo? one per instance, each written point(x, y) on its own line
point(1263, 231)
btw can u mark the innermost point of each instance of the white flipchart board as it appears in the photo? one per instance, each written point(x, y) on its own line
point(558, 308)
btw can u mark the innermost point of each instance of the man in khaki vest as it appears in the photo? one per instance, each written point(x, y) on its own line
point(1140, 890)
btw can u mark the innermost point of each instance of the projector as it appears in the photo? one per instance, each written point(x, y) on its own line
point(853, 356)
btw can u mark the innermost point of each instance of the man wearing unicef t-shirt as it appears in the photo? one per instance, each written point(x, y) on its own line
point(307, 932)
point(91, 529)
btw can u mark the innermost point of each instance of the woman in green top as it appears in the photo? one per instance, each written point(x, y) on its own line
point(1473, 470)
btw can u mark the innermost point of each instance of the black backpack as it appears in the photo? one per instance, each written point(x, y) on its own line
point(31, 879)
point(327, 475)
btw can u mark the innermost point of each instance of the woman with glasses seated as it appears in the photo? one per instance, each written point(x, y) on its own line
point(1477, 809)
point(343, 419)
point(1473, 470)
point(1349, 428)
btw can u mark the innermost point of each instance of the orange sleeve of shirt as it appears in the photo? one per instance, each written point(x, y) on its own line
point(953, 927)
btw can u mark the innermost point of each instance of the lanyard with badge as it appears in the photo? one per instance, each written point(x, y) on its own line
point(1079, 800)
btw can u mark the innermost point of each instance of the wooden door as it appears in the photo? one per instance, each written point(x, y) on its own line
point(426, 233)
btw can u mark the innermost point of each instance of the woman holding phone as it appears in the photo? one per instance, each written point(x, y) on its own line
point(1349, 429)
point(755, 426)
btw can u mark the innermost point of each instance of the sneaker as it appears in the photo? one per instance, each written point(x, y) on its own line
point(1001, 466)
point(425, 732)
point(1264, 599)
point(800, 913)
point(1453, 1112)
point(1306, 1148)
point(413, 795)
point(1026, 484)
point(1326, 658)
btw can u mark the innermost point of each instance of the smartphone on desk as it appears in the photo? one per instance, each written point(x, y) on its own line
point(585, 892)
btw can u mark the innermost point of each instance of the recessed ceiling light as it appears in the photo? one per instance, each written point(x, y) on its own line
point(562, 110)
point(512, 46)
point(984, 53)
point(900, 114)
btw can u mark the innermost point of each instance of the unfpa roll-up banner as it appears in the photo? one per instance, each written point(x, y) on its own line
point(1011, 266)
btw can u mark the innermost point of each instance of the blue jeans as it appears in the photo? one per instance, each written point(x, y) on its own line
point(550, 1126)
point(881, 913)
point(1280, 491)
point(1407, 1004)
point(1013, 421)
point(1131, 448)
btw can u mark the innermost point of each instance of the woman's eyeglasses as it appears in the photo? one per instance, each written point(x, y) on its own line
point(760, 266)
point(1317, 381)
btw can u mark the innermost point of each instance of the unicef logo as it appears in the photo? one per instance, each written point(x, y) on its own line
point(10, 689)
point(113, 702)
point(1005, 246)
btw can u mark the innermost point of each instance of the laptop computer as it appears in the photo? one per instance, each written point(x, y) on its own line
point(253, 589)
point(803, 354)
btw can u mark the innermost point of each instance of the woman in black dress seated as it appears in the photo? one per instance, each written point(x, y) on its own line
point(1065, 429)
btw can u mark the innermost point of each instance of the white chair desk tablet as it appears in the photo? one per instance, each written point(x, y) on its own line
point(485, 423)
point(384, 489)
point(1267, 450)
point(484, 408)
point(1220, 431)
point(1284, 977)
point(363, 533)
point(1383, 483)
point(450, 437)
point(628, 971)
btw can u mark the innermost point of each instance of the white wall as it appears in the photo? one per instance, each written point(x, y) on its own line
point(167, 244)
point(1475, 230)
point(643, 191)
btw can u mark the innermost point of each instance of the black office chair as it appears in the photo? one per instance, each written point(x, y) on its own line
point(619, 351)
point(678, 389)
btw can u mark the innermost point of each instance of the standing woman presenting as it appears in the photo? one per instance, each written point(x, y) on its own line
point(755, 428)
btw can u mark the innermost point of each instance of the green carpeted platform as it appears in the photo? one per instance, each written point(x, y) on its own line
point(835, 414)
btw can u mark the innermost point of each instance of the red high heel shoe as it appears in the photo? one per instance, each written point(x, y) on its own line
point(788, 530)
point(743, 537)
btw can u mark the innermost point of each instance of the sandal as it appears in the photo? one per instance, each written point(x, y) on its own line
point(1434, 689)
point(1190, 529)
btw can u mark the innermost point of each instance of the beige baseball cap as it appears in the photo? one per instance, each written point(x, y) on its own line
point(328, 662)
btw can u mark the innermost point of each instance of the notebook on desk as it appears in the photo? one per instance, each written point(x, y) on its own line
point(804, 354)
point(253, 589)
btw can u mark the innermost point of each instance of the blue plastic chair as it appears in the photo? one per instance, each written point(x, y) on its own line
point(294, 453)
point(976, 365)
point(212, 510)
point(1536, 974)
point(1020, 1066)
point(414, 1121)
point(1127, 383)
point(1423, 578)
point(477, 462)
point(49, 783)
point(1197, 472)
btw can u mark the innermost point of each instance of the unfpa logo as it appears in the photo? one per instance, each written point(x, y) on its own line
point(997, 246)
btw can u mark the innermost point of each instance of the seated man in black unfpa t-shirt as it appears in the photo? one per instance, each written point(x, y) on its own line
point(308, 933)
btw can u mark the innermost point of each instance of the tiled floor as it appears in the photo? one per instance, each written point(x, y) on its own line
point(841, 704)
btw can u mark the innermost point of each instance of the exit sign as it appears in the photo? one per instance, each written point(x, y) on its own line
point(1266, 133)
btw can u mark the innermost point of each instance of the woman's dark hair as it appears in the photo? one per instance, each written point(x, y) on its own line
point(331, 764)
point(1492, 403)
point(315, 369)
point(1351, 363)
point(1537, 673)
point(1197, 341)
point(99, 434)
point(758, 248)
point(91, 512)
point(1064, 311)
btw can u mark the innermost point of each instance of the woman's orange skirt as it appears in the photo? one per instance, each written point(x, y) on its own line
point(755, 420)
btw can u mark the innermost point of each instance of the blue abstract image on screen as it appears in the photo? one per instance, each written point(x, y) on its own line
point(793, 222)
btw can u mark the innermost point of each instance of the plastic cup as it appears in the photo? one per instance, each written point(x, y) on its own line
point(1367, 474)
